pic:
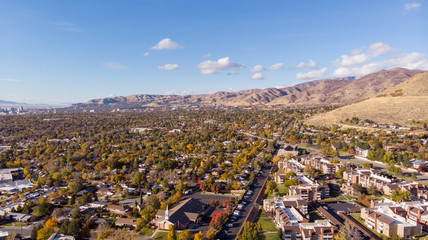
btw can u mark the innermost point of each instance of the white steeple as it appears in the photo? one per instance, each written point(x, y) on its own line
point(167, 213)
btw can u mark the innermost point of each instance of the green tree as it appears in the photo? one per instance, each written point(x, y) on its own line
point(400, 195)
point(252, 231)
point(271, 187)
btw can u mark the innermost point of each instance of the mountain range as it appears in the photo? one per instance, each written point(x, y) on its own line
point(401, 104)
point(325, 92)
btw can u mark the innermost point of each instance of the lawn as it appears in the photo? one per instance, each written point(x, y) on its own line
point(15, 224)
point(357, 217)
point(314, 215)
point(272, 236)
point(161, 236)
point(267, 224)
point(282, 190)
point(147, 231)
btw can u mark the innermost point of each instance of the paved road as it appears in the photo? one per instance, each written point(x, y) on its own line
point(256, 187)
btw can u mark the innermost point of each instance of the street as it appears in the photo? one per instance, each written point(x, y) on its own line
point(232, 232)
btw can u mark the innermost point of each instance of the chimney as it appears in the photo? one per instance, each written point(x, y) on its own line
point(332, 232)
point(419, 215)
point(372, 203)
point(395, 210)
point(322, 233)
point(408, 210)
point(375, 220)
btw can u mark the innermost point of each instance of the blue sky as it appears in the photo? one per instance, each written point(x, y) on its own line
point(72, 51)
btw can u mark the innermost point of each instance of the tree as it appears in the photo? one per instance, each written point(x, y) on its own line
point(367, 165)
point(413, 176)
point(185, 235)
point(290, 174)
point(153, 202)
point(312, 172)
point(172, 234)
point(75, 186)
point(51, 223)
point(372, 189)
point(348, 232)
point(271, 187)
point(339, 173)
point(73, 228)
point(211, 234)
point(252, 231)
point(44, 233)
point(218, 219)
point(214, 203)
point(357, 188)
point(35, 230)
point(75, 213)
point(12, 236)
point(400, 195)
point(199, 236)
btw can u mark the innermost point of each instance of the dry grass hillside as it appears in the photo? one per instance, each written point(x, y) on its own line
point(399, 104)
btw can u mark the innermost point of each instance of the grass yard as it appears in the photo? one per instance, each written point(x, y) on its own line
point(147, 231)
point(314, 215)
point(282, 190)
point(161, 236)
point(267, 224)
point(15, 224)
point(272, 236)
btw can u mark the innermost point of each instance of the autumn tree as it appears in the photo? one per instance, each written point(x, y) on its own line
point(44, 233)
point(172, 234)
point(185, 235)
point(218, 219)
point(199, 236)
point(51, 223)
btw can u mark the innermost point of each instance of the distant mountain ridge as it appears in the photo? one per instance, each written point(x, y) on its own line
point(3, 102)
point(325, 92)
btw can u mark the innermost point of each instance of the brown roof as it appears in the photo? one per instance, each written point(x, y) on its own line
point(116, 207)
point(385, 219)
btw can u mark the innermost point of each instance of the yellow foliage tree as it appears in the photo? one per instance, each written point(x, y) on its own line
point(51, 223)
point(199, 236)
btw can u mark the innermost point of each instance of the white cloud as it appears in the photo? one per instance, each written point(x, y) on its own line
point(10, 80)
point(413, 60)
point(114, 65)
point(310, 65)
point(315, 74)
point(363, 56)
point(414, 5)
point(182, 92)
point(168, 67)
point(207, 55)
point(212, 67)
point(276, 66)
point(166, 44)
point(281, 86)
point(366, 62)
point(352, 60)
point(146, 54)
point(379, 49)
point(232, 73)
point(358, 71)
point(257, 76)
point(257, 68)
